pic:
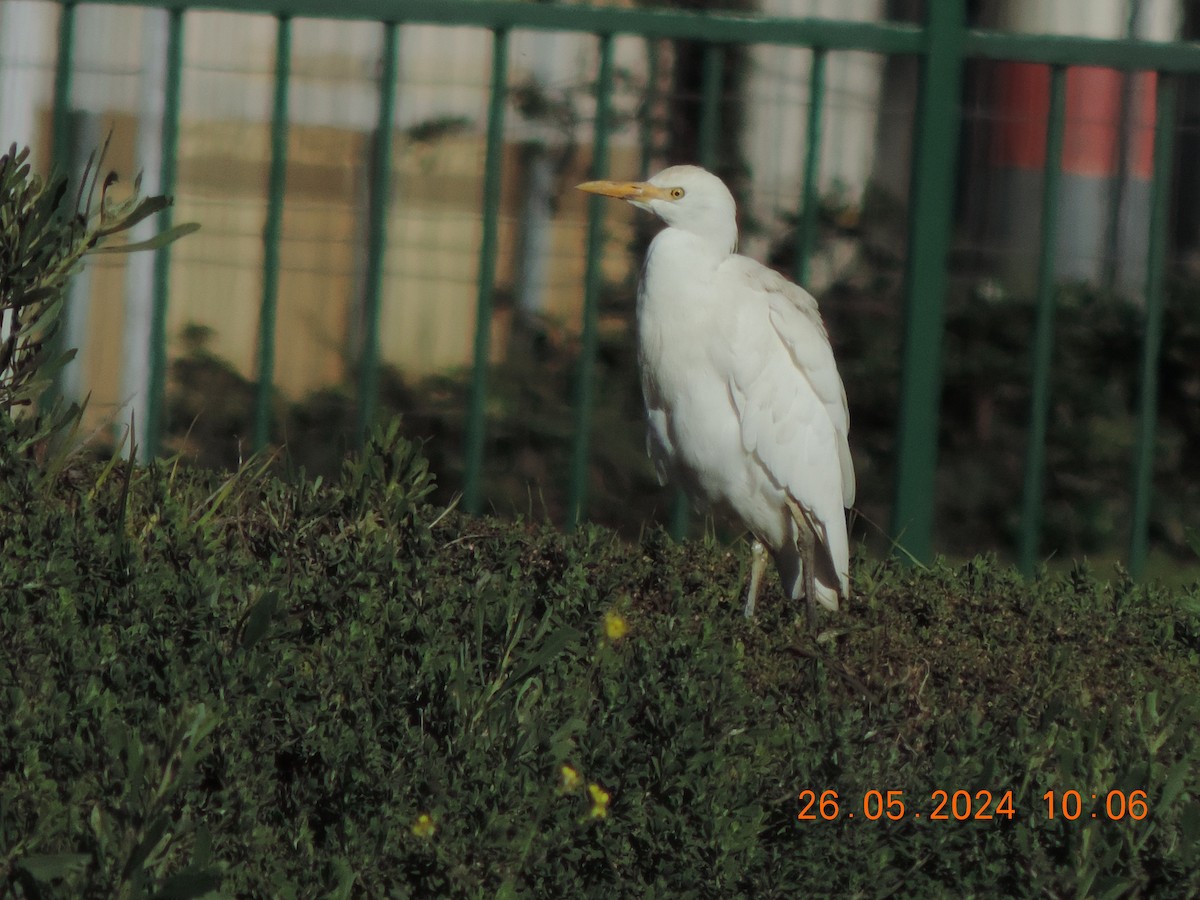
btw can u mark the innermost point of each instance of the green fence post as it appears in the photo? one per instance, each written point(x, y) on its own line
point(472, 479)
point(64, 66)
point(931, 207)
point(379, 202)
point(585, 374)
point(276, 184)
point(806, 231)
point(168, 174)
point(710, 105)
point(649, 100)
point(1043, 332)
point(61, 162)
point(1156, 254)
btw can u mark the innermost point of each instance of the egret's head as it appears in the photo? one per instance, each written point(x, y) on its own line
point(685, 197)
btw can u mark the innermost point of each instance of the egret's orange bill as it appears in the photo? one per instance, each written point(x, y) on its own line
point(625, 190)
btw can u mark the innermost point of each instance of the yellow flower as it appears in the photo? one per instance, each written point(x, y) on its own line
point(600, 800)
point(570, 779)
point(615, 626)
point(424, 827)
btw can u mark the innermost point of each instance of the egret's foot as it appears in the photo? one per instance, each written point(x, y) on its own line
point(758, 565)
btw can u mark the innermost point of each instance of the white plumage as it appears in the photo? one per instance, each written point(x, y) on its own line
point(744, 402)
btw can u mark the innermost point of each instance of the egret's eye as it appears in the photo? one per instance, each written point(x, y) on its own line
point(677, 193)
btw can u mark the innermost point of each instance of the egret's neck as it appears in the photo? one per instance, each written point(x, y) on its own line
point(703, 250)
point(686, 253)
point(718, 232)
point(679, 267)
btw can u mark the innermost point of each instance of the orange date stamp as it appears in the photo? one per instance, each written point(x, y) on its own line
point(970, 806)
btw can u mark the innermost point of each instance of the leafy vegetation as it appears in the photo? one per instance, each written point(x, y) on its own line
point(230, 683)
point(221, 683)
point(43, 241)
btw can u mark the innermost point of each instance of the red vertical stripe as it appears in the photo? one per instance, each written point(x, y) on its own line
point(1021, 102)
point(1145, 99)
point(1093, 122)
point(1093, 114)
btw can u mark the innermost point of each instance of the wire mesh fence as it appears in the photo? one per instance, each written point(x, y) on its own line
point(385, 199)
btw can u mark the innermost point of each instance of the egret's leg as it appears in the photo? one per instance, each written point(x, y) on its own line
point(808, 558)
point(806, 546)
point(758, 565)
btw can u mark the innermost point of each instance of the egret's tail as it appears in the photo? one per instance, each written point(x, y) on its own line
point(830, 557)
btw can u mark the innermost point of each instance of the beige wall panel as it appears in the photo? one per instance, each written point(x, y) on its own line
point(100, 356)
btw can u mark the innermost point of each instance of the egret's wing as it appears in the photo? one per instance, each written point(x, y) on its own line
point(658, 434)
point(780, 381)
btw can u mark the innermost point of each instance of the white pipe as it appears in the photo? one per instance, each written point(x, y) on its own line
point(139, 272)
point(22, 87)
point(775, 109)
point(1157, 20)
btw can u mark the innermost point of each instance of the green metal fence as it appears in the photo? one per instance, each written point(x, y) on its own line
point(943, 43)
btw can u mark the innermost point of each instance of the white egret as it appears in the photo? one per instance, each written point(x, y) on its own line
point(745, 407)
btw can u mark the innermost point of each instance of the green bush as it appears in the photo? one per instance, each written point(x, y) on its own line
point(225, 684)
point(43, 241)
point(231, 684)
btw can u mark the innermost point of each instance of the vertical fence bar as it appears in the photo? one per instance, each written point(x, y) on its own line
point(646, 123)
point(1126, 129)
point(64, 66)
point(712, 81)
point(710, 104)
point(377, 220)
point(585, 374)
point(1043, 331)
point(1160, 204)
point(487, 272)
point(276, 184)
point(168, 175)
point(931, 199)
point(806, 231)
point(60, 152)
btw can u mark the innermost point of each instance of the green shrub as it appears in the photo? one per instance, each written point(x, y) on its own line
point(43, 240)
point(229, 683)
point(224, 684)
